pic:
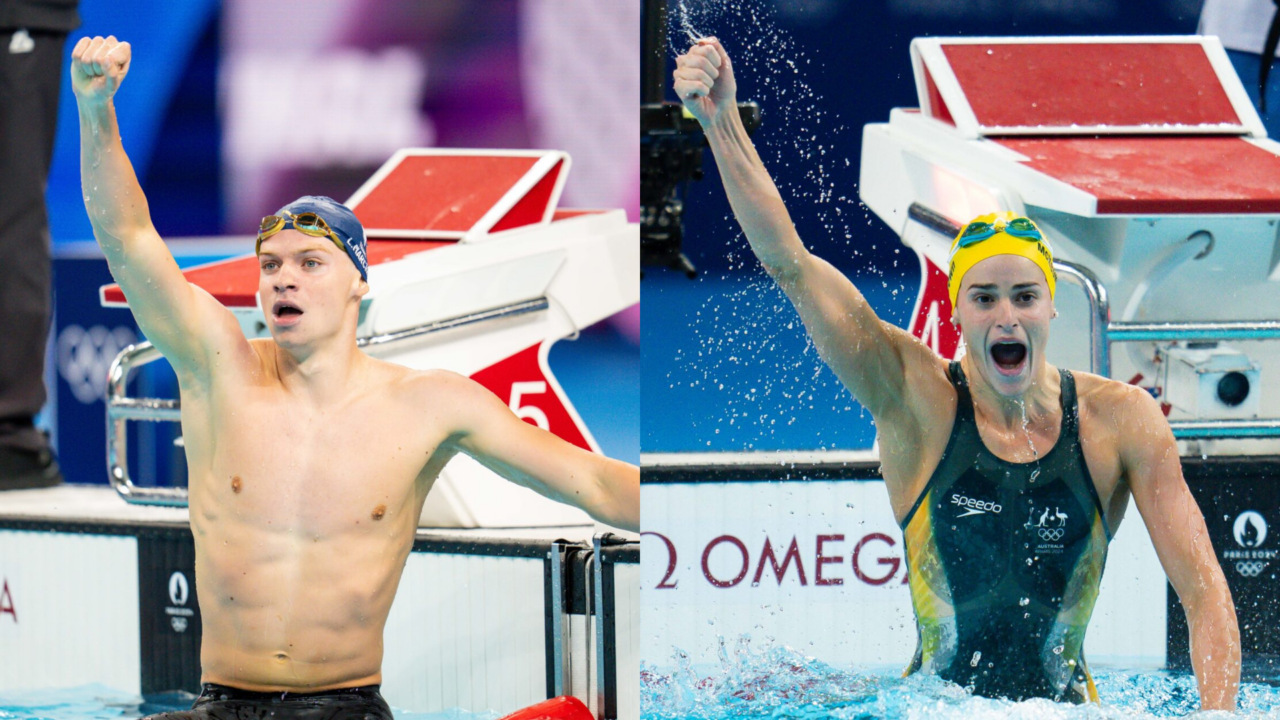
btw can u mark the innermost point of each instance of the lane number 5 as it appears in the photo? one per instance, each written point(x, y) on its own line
point(528, 412)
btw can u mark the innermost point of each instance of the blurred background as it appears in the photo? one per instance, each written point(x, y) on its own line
point(727, 366)
point(232, 108)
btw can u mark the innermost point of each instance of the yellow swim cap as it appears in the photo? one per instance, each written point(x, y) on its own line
point(1002, 233)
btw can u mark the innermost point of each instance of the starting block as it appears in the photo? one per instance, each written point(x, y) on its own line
point(1143, 161)
point(474, 269)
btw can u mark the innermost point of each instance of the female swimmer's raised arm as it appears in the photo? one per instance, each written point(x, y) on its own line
point(178, 318)
point(484, 428)
point(868, 355)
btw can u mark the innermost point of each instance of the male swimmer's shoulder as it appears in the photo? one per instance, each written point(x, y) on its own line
point(232, 366)
point(433, 387)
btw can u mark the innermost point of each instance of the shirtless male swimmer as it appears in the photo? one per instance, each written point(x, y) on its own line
point(1007, 475)
point(309, 460)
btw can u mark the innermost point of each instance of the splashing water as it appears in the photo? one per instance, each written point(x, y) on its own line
point(744, 331)
point(773, 70)
point(775, 682)
point(693, 35)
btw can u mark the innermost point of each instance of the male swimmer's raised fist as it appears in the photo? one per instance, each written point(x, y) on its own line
point(98, 66)
point(704, 80)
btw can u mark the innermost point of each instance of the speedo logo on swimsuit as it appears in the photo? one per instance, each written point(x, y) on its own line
point(974, 506)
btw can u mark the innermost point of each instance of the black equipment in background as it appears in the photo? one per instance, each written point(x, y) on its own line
point(671, 150)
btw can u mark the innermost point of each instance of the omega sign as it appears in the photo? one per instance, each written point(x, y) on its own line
point(727, 561)
point(6, 602)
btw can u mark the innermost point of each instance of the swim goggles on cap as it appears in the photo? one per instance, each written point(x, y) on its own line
point(1009, 234)
point(307, 223)
point(977, 231)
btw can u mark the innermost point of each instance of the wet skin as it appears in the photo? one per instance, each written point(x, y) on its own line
point(1003, 298)
point(1128, 446)
point(299, 545)
point(309, 463)
point(308, 460)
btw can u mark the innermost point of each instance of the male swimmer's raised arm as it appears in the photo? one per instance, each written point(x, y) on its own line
point(867, 355)
point(1151, 466)
point(608, 490)
point(178, 318)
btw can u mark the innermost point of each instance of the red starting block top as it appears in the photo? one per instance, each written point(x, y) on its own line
point(1082, 86)
point(1161, 175)
point(234, 282)
point(1146, 125)
point(415, 201)
point(449, 194)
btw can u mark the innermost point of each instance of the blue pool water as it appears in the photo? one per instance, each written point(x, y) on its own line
point(99, 702)
point(778, 682)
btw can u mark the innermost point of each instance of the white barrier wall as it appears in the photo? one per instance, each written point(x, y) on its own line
point(68, 610)
point(818, 566)
point(466, 631)
point(626, 586)
point(468, 627)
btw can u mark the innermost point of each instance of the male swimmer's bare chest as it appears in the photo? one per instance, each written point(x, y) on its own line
point(304, 514)
point(321, 469)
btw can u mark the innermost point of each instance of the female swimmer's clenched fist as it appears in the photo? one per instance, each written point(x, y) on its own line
point(704, 81)
point(98, 66)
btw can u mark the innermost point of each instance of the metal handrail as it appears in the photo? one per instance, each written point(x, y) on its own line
point(121, 408)
point(1099, 317)
point(1233, 330)
point(1103, 332)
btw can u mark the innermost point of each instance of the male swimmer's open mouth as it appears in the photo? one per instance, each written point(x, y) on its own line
point(1008, 356)
point(285, 312)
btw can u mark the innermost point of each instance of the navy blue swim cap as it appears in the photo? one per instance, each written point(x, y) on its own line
point(341, 220)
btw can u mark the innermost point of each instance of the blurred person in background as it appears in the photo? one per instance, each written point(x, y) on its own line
point(1249, 30)
point(32, 36)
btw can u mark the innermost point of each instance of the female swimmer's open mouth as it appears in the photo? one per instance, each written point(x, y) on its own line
point(1009, 355)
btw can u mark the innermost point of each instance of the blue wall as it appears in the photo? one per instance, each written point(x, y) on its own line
point(726, 365)
point(174, 69)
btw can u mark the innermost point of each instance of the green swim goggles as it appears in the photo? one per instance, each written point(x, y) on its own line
point(977, 231)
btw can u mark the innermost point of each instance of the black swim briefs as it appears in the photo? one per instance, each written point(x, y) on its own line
point(219, 702)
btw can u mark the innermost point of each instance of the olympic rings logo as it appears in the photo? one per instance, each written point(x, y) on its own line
point(1251, 568)
point(85, 357)
point(1051, 534)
